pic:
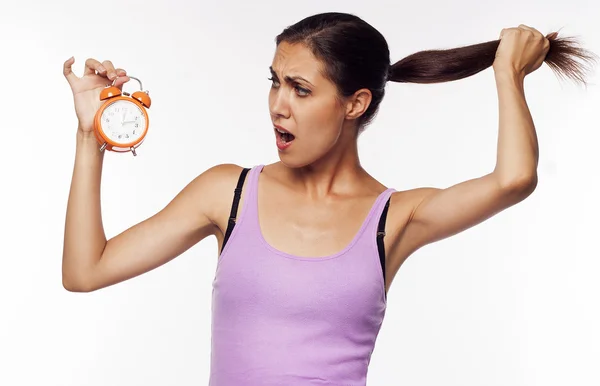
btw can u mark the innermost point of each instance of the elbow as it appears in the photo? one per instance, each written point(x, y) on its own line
point(72, 286)
point(519, 187)
point(74, 283)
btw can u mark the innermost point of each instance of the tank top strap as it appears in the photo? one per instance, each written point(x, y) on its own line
point(372, 222)
point(251, 201)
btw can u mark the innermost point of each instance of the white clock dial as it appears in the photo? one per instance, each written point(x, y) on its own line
point(123, 122)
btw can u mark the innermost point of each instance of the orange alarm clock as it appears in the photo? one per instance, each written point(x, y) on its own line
point(121, 123)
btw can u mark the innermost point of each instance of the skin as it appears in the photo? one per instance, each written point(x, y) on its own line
point(318, 177)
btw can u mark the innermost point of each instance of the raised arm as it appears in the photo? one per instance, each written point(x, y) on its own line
point(440, 213)
point(90, 261)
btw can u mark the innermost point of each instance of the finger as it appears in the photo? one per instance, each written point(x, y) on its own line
point(68, 70)
point(506, 31)
point(110, 69)
point(92, 66)
point(121, 80)
point(535, 31)
point(120, 72)
point(523, 27)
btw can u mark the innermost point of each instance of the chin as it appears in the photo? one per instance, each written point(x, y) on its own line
point(292, 162)
point(298, 159)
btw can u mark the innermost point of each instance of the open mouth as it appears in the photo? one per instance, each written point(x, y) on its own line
point(284, 136)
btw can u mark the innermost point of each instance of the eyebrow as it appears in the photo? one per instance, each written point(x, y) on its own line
point(290, 79)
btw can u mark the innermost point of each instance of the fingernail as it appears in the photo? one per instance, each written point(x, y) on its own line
point(101, 69)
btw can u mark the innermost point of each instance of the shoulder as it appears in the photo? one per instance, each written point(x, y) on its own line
point(409, 200)
point(216, 181)
point(221, 175)
point(211, 191)
point(403, 204)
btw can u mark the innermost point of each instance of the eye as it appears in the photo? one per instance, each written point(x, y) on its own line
point(302, 91)
point(274, 82)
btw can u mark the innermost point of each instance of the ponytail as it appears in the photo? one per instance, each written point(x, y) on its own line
point(564, 57)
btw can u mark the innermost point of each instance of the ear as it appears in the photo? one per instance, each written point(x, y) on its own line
point(358, 103)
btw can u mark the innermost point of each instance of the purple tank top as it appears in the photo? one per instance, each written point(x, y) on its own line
point(285, 320)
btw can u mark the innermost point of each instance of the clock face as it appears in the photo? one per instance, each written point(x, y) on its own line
point(123, 122)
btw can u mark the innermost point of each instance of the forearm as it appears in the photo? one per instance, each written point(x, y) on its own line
point(517, 152)
point(84, 238)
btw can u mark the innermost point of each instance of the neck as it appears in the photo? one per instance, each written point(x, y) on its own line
point(336, 173)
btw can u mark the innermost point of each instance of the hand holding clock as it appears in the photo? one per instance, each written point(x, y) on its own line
point(102, 107)
point(86, 89)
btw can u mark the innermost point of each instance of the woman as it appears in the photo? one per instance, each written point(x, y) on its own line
point(311, 244)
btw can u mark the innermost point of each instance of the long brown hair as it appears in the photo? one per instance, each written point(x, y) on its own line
point(355, 55)
point(565, 57)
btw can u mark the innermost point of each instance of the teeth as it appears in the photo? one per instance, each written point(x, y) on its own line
point(279, 131)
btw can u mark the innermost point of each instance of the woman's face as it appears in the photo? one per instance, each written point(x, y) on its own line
point(303, 103)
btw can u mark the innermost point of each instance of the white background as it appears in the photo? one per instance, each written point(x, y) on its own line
point(511, 302)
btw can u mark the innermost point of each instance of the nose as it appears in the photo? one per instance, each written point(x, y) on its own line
point(279, 105)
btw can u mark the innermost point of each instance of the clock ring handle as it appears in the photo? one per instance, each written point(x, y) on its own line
point(131, 77)
point(142, 96)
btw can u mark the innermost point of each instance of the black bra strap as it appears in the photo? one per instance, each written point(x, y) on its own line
point(380, 236)
point(234, 207)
